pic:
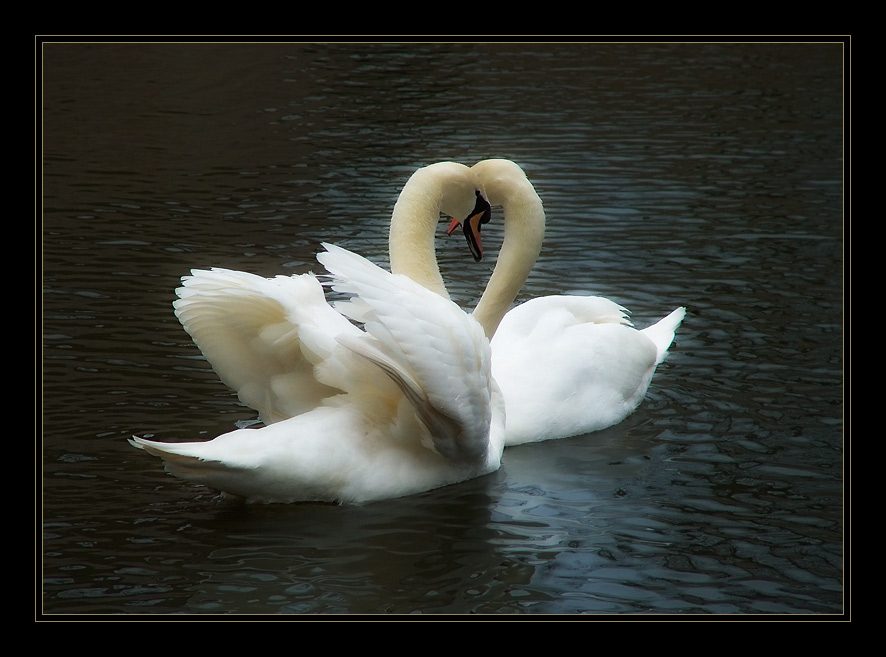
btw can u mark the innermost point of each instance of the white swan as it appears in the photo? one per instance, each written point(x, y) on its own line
point(566, 365)
point(404, 406)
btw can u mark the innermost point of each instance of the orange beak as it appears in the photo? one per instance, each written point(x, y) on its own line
point(472, 225)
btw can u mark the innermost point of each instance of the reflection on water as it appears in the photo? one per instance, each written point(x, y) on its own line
point(706, 176)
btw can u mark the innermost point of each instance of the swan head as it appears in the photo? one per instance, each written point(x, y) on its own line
point(451, 189)
point(472, 225)
point(502, 182)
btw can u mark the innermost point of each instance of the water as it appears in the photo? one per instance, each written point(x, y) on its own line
point(708, 176)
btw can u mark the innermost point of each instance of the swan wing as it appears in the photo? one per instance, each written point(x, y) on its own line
point(264, 337)
point(437, 354)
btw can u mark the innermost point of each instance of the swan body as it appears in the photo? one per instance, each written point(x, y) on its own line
point(569, 365)
point(566, 365)
point(403, 405)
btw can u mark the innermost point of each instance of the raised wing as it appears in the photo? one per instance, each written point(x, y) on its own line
point(263, 337)
point(436, 353)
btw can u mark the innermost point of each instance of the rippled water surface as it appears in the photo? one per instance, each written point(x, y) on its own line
point(709, 176)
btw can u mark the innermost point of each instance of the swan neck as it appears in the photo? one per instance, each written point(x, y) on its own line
point(524, 221)
point(413, 227)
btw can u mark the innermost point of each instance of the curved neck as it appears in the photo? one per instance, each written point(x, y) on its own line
point(524, 233)
point(432, 190)
point(413, 228)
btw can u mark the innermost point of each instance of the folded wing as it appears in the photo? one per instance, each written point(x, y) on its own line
point(435, 352)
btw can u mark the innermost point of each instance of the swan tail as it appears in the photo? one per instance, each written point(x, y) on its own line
point(185, 461)
point(662, 332)
point(170, 451)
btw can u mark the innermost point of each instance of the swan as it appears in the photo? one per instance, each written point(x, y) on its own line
point(566, 365)
point(405, 404)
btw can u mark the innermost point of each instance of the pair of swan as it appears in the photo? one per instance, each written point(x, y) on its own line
point(419, 397)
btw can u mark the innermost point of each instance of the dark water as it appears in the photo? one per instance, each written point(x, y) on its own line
point(709, 176)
